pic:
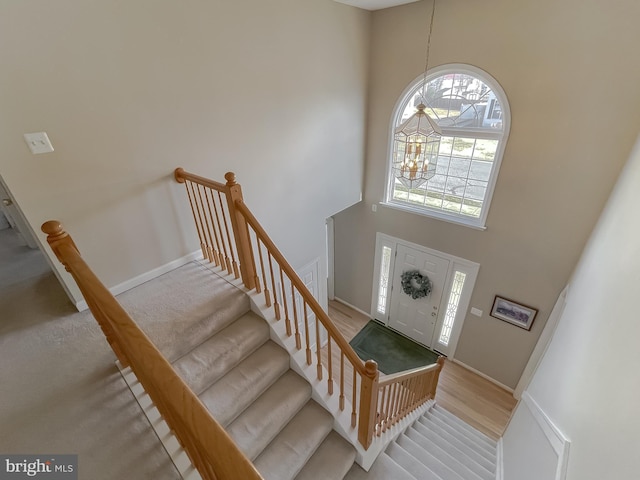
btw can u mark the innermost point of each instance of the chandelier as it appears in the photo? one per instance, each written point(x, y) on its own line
point(416, 141)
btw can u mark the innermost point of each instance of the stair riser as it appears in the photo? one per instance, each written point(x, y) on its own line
point(458, 423)
point(464, 437)
point(448, 454)
point(463, 447)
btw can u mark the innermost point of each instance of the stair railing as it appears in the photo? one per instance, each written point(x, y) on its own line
point(375, 405)
point(211, 451)
point(401, 393)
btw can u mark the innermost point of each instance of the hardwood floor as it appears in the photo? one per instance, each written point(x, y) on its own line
point(467, 395)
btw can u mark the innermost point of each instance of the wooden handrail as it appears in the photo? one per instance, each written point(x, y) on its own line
point(410, 389)
point(405, 375)
point(212, 452)
point(181, 176)
point(349, 352)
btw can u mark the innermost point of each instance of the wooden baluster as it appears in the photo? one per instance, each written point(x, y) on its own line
point(267, 294)
point(381, 407)
point(206, 222)
point(420, 389)
point(409, 400)
point(199, 224)
point(341, 381)
point(405, 398)
point(318, 343)
point(329, 363)
point(256, 277)
point(232, 266)
point(195, 218)
point(296, 322)
point(354, 393)
point(387, 411)
point(368, 403)
point(285, 304)
point(276, 305)
point(424, 388)
point(208, 193)
point(415, 398)
point(410, 383)
point(224, 258)
point(395, 403)
point(307, 339)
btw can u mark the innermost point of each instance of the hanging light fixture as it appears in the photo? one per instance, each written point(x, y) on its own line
point(416, 141)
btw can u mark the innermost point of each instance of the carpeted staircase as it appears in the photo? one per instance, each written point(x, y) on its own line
point(222, 349)
point(438, 446)
point(245, 381)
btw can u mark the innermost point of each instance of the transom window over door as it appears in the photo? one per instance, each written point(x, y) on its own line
point(472, 111)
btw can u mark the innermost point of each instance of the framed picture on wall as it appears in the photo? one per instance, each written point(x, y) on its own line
point(512, 312)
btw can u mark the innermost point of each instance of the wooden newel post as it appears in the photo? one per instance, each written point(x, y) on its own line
point(240, 232)
point(56, 236)
point(436, 376)
point(368, 403)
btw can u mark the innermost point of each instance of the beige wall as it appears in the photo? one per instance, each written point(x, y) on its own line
point(587, 381)
point(127, 91)
point(570, 77)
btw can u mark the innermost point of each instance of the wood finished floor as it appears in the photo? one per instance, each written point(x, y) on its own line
point(467, 395)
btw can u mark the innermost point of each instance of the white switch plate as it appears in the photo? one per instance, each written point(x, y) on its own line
point(477, 312)
point(38, 142)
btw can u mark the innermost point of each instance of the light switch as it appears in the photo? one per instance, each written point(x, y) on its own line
point(38, 142)
point(476, 312)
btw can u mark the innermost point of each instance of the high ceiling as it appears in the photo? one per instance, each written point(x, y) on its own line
point(375, 4)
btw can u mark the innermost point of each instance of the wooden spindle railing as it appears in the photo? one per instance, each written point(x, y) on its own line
point(401, 393)
point(212, 452)
point(375, 406)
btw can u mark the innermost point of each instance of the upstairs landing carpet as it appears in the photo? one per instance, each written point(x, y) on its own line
point(392, 351)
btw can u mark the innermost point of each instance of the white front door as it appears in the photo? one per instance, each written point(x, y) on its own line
point(417, 318)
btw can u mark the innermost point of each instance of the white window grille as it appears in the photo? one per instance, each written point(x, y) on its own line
point(383, 289)
point(452, 307)
point(472, 110)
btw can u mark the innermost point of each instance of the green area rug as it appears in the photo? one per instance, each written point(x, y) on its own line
point(393, 352)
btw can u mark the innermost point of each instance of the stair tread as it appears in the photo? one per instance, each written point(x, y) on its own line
point(254, 428)
point(447, 454)
point(425, 466)
point(464, 436)
point(181, 321)
point(287, 454)
point(228, 397)
point(384, 468)
point(477, 455)
point(331, 461)
point(214, 357)
point(453, 419)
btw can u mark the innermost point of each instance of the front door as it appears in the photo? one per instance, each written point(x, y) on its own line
point(417, 317)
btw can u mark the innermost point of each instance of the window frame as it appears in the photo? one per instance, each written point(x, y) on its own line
point(477, 133)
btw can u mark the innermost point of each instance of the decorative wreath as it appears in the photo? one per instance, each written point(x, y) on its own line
point(415, 284)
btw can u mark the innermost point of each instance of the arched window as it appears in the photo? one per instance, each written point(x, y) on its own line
point(473, 113)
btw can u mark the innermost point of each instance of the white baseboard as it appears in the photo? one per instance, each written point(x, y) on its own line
point(486, 377)
point(145, 277)
point(339, 300)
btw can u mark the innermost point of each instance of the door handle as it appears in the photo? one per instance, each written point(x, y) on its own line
point(7, 202)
